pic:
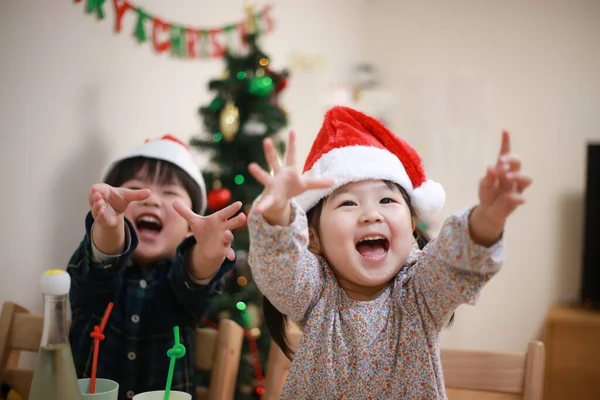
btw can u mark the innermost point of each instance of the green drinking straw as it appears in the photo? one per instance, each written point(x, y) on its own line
point(175, 352)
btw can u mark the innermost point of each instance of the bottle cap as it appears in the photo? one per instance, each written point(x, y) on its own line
point(55, 282)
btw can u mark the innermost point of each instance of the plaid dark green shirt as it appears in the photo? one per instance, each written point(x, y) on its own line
point(147, 305)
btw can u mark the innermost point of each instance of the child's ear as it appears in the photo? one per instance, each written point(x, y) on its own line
point(413, 223)
point(314, 244)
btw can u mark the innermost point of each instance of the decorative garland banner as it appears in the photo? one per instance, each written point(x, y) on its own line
point(179, 40)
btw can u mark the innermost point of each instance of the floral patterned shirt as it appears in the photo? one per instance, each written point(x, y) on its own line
point(385, 348)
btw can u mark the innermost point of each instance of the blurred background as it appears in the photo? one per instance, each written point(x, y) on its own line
point(448, 76)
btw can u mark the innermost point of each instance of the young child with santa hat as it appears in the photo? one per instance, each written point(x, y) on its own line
point(148, 249)
point(332, 248)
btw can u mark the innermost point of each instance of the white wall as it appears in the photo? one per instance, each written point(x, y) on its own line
point(463, 71)
point(73, 94)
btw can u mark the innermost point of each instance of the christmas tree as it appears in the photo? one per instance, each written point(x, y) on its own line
point(243, 112)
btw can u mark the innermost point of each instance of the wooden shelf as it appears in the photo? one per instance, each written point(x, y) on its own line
point(572, 340)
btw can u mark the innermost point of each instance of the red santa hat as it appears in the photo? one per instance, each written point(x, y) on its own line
point(352, 146)
point(171, 149)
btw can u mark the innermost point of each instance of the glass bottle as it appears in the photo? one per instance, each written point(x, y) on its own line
point(54, 377)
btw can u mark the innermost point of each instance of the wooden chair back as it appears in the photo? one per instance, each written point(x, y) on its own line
point(217, 351)
point(483, 375)
point(278, 366)
point(19, 331)
point(468, 374)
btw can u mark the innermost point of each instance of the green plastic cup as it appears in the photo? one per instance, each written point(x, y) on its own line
point(160, 395)
point(106, 389)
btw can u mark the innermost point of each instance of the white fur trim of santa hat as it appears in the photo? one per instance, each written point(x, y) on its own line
point(352, 147)
point(171, 149)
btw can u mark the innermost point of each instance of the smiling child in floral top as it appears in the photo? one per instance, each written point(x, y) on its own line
point(334, 250)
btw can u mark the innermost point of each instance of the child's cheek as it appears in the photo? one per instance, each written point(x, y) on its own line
point(337, 225)
point(171, 213)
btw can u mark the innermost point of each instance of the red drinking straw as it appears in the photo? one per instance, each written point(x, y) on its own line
point(98, 336)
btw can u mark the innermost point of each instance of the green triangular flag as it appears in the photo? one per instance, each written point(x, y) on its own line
point(140, 31)
point(177, 42)
point(96, 6)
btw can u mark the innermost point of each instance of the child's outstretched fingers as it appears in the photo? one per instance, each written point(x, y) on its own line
point(505, 145)
point(266, 202)
point(236, 222)
point(318, 183)
point(213, 233)
point(489, 186)
point(222, 217)
point(108, 204)
point(507, 164)
point(290, 154)
point(283, 183)
point(185, 211)
point(119, 198)
point(98, 207)
point(260, 174)
point(522, 182)
point(130, 195)
point(290, 161)
point(227, 215)
point(227, 239)
point(229, 211)
point(512, 162)
point(501, 189)
point(489, 180)
point(271, 155)
point(215, 230)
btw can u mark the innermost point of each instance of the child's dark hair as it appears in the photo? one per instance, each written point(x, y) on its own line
point(277, 322)
point(159, 171)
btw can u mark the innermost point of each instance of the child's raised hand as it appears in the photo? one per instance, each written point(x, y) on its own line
point(108, 204)
point(213, 235)
point(286, 182)
point(501, 189)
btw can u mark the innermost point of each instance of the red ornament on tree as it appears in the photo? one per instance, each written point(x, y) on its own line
point(218, 197)
point(282, 85)
point(283, 81)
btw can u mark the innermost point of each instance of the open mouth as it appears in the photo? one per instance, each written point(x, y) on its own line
point(148, 224)
point(374, 246)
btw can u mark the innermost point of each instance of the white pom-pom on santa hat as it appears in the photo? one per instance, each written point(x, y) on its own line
point(428, 199)
point(352, 147)
point(171, 149)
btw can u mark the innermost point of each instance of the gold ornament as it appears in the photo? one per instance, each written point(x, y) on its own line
point(229, 121)
point(224, 74)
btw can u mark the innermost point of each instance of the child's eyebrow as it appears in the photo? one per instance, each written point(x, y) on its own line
point(338, 193)
point(379, 186)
